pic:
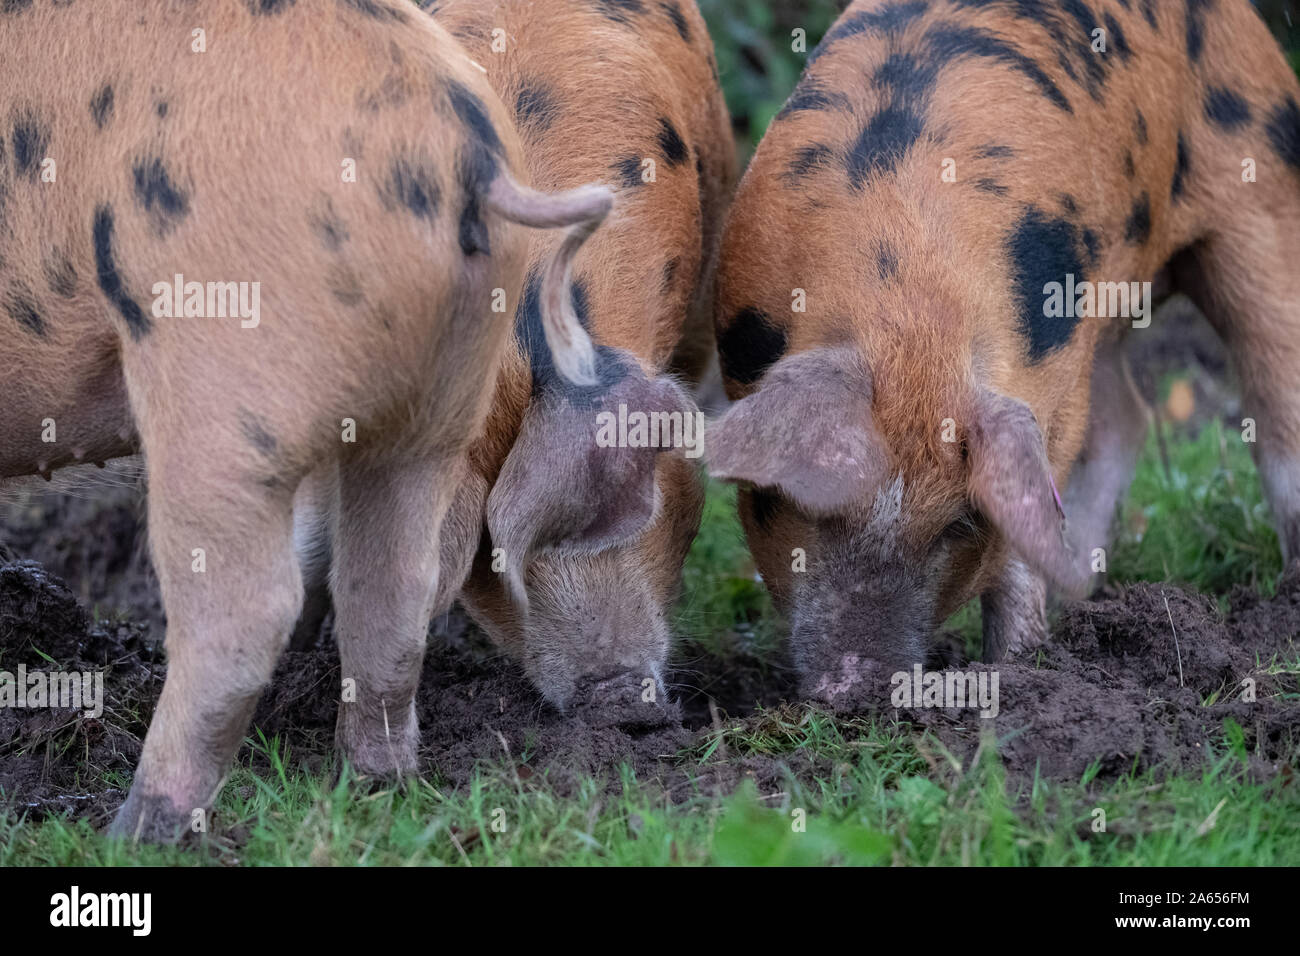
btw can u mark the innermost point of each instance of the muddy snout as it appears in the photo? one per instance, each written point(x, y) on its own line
point(851, 682)
point(627, 700)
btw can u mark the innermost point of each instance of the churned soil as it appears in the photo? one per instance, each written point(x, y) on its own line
point(1143, 678)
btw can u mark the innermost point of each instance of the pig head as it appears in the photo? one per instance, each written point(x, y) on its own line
point(585, 540)
point(869, 540)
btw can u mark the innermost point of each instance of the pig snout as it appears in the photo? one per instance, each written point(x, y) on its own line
point(627, 700)
point(852, 682)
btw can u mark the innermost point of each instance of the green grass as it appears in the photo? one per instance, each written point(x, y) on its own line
point(889, 799)
point(879, 794)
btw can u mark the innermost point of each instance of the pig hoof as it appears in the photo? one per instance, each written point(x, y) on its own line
point(373, 752)
point(625, 701)
point(154, 818)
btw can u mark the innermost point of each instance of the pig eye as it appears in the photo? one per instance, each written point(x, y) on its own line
point(965, 527)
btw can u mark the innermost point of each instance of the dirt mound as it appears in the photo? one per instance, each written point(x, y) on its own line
point(1145, 681)
point(55, 758)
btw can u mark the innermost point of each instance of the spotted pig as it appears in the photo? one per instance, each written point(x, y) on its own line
point(574, 550)
point(919, 407)
point(346, 178)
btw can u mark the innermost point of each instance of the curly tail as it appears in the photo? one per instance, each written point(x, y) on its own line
point(583, 210)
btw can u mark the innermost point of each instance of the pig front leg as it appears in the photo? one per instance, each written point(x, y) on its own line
point(384, 586)
point(1117, 426)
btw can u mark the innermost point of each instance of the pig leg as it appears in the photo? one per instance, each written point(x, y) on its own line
point(314, 509)
point(1014, 612)
point(386, 564)
point(222, 545)
point(1117, 426)
point(1247, 286)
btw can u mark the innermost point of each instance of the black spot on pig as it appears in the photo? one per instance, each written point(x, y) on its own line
point(670, 274)
point(1118, 41)
point(764, 506)
point(269, 7)
point(101, 106)
point(326, 223)
point(1130, 170)
point(1068, 203)
point(994, 151)
point(889, 20)
point(346, 288)
point(670, 141)
point(1284, 132)
point(15, 6)
point(986, 185)
point(160, 197)
point(477, 170)
point(1149, 11)
point(886, 261)
point(531, 336)
point(412, 184)
point(620, 11)
point(1140, 128)
point(471, 111)
point(1137, 229)
point(1091, 245)
point(161, 109)
point(808, 97)
point(256, 433)
point(22, 308)
point(1181, 167)
point(1226, 109)
point(629, 172)
point(674, 11)
point(1043, 250)
point(750, 345)
point(883, 142)
point(477, 166)
point(535, 107)
point(948, 43)
point(1196, 10)
point(807, 160)
point(60, 275)
point(31, 143)
point(376, 11)
point(110, 281)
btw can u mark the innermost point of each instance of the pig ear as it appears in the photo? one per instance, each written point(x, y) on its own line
point(807, 431)
point(561, 491)
point(1011, 484)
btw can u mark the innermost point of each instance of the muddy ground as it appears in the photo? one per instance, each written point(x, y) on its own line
point(1138, 679)
point(1127, 682)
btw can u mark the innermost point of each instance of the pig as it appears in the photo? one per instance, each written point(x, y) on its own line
point(577, 548)
point(911, 395)
point(375, 215)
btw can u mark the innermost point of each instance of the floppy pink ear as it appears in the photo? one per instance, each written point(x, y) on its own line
point(561, 491)
point(807, 431)
point(1011, 484)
